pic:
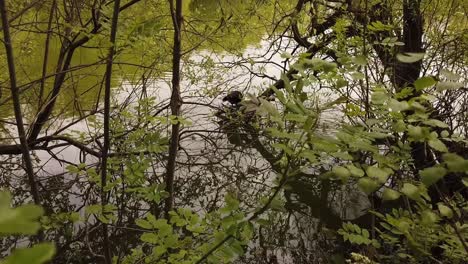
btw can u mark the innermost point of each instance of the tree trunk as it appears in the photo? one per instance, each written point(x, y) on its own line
point(106, 147)
point(17, 105)
point(176, 103)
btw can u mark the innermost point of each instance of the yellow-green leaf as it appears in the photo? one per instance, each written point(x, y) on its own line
point(410, 57)
point(368, 185)
point(445, 210)
point(380, 174)
point(411, 191)
point(431, 175)
point(437, 145)
point(441, 86)
point(390, 194)
point(38, 254)
point(424, 82)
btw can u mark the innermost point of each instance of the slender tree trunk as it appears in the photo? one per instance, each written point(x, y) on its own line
point(176, 103)
point(17, 105)
point(46, 54)
point(105, 150)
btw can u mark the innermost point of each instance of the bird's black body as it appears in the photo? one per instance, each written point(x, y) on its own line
point(234, 97)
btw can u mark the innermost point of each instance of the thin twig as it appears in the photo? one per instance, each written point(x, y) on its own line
point(46, 53)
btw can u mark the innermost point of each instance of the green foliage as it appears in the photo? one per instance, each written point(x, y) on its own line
point(187, 236)
point(105, 214)
point(23, 220)
point(431, 175)
point(423, 230)
point(20, 220)
point(356, 235)
point(56, 221)
point(37, 254)
point(390, 194)
point(375, 157)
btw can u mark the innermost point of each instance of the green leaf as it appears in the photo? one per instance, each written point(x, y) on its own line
point(390, 194)
point(451, 157)
point(287, 84)
point(450, 75)
point(365, 233)
point(379, 97)
point(231, 202)
point(170, 240)
point(149, 238)
point(399, 126)
point(5, 200)
point(435, 123)
point(380, 174)
point(263, 222)
point(355, 171)
point(283, 147)
point(417, 106)
point(310, 122)
point(341, 83)
point(38, 254)
point(286, 55)
point(375, 243)
point(441, 86)
point(424, 82)
point(458, 166)
point(360, 60)
point(93, 209)
point(295, 117)
point(20, 220)
point(403, 226)
point(268, 107)
point(159, 250)
point(444, 134)
point(294, 108)
point(341, 172)
point(279, 94)
point(416, 132)
point(368, 185)
point(397, 106)
point(445, 210)
point(143, 224)
point(455, 163)
point(429, 217)
point(339, 100)
point(411, 191)
point(431, 175)
point(357, 75)
point(309, 155)
point(379, 26)
point(404, 93)
point(437, 145)
point(410, 57)
point(277, 205)
point(363, 145)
